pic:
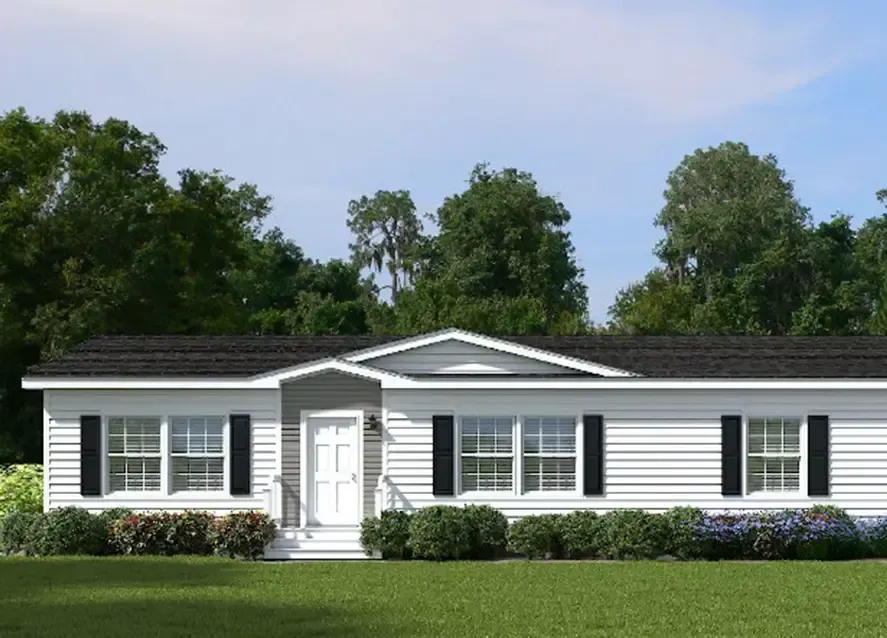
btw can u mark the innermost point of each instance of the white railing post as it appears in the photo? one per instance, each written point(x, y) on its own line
point(273, 503)
point(380, 494)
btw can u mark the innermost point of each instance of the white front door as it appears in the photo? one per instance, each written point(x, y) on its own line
point(334, 466)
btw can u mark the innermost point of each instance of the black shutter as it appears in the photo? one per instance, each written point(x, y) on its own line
point(240, 454)
point(90, 455)
point(593, 454)
point(443, 460)
point(731, 455)
point(818, 461)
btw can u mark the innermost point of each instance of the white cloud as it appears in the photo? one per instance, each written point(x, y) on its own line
point(669, 62)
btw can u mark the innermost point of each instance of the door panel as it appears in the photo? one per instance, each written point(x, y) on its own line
point(334, 465)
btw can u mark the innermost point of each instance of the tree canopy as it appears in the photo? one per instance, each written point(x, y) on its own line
point(95, 240)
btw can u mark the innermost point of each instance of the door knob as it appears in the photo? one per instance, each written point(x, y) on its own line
point(354, 477)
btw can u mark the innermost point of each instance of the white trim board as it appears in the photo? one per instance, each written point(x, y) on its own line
point(390, 381)
point(636, 384)
point(269, 381)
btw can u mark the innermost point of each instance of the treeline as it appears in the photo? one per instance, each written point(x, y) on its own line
point(93, 239)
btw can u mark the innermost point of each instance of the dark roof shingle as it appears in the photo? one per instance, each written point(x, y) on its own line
point(663, 357)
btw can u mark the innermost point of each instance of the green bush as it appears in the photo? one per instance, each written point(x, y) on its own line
point(72, 530)
point(633, 534)
point(389, 534)
point(114, 514)
point(681, 524)
point(488, 529)
point(440, 532)
point(242, 534)
point(580, 533)
point(20, 532)
point(536, 536)
point(21, 488)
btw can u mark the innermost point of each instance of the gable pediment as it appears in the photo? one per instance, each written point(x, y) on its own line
point(456, 352)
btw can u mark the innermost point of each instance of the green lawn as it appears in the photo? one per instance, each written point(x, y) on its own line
point(204, 597)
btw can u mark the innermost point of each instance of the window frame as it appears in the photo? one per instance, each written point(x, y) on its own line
point(458, 455)
point(107, 455)
point(165, 490)
point(801, 492)
point(517, 431)
point(560, 455)
point(225, 456)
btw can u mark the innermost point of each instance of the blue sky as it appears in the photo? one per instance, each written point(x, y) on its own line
point(320, 102)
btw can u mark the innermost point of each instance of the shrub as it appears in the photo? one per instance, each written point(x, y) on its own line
point(71, 530)
point(680, 524)
point(389, 534)
point(632, 534)
point(189, 533)
point(537, 536)
point(21, 488)
point(440, 532)
point(873, 535)
point(242, 534)
point(114, 514)
point(830, 511)
point(488, 531)
point(827, 534)
point(580, 534)
point(20, 531)
point(139, 534)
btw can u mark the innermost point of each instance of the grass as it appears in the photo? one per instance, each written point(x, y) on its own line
point(130, 597)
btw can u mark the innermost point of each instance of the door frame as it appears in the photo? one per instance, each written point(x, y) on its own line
point(306, 436)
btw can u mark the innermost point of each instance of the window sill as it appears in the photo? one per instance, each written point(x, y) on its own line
point(175, 496)
point(775, 496)
point(526, 496)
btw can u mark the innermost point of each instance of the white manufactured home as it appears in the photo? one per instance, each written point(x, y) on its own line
point(321, 432)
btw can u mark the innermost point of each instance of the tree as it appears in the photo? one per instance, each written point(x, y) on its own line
point(733, 233)
point(284, 292)
point(94, 240)
point(387, 236)
point(502, 261)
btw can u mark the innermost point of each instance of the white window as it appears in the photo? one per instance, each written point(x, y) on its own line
point(549, 454)
point(774, 455)
point(134, 454)
point(198, 456)
point(487, 454)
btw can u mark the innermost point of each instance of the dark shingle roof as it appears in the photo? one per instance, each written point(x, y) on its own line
point(664, 357)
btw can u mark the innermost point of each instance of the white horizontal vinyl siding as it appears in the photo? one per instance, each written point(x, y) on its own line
point(458, 357)
point(661, 448)
point(62, 411)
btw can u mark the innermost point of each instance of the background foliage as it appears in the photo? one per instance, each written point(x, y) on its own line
point(95, 240)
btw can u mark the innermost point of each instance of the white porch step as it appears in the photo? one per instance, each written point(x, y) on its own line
point(319, 543)
point(320, 533)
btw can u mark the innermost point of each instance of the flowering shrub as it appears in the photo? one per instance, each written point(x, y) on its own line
point(804, 534)
point(139, 534)
point(680, 529)
point(242, 534)
point(163, 533)
point(21, 488)
point(873, 533)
